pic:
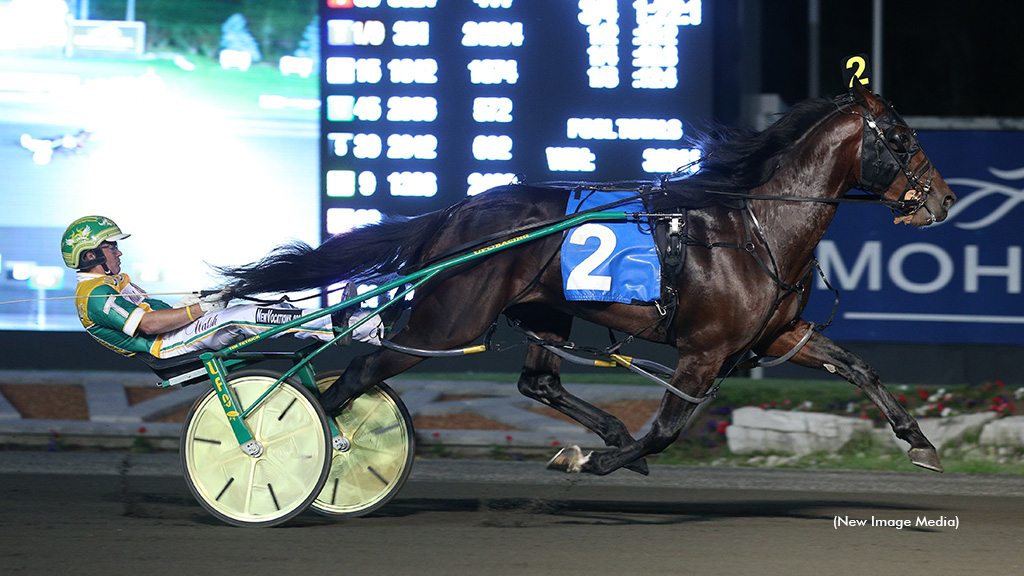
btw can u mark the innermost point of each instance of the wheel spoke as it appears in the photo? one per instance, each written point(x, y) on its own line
point(356, 428)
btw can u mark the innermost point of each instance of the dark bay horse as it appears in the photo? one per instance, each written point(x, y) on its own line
point(741, 289)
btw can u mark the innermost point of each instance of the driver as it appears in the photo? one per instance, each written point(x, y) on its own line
point(122, 317)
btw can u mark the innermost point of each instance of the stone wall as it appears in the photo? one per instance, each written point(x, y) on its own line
point(799, 433)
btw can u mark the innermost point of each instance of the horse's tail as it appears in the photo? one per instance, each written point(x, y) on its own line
point(361, 253)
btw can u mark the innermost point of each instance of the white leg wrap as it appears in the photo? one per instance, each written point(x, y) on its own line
point(569, 459)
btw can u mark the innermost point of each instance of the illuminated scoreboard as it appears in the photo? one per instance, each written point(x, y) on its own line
point(428, 101)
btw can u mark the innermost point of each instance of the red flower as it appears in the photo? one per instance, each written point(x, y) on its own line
point(508, 438)
point(436, 434)
point(721, 427)
point(556, 443)
point(142, 429)
point(1000, 384)
point(922, 393)
point(902, 398)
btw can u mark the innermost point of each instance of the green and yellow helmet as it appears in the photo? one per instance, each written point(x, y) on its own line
point(86, 234)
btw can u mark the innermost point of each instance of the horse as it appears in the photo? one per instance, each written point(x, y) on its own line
point(754, 212)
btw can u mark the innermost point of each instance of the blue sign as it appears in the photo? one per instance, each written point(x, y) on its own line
point(609, 261)
point(954, 282)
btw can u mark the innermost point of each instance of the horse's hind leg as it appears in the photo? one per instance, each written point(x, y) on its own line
point(823, 354)
point(364, 372)
point(441, 320)
point(540, 381)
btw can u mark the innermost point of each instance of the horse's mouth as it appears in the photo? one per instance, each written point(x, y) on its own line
point(920, 218)
point(926, 215)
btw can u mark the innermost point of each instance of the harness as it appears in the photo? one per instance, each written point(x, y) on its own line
point(669, 234)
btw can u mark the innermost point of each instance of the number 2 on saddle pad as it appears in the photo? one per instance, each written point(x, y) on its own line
point(609, 261)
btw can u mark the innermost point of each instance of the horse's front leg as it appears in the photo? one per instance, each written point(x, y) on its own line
point(823, 354)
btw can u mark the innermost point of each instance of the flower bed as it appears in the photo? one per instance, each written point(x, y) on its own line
point(705, 440)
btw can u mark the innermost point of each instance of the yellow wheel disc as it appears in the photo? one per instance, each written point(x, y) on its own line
point(275, 486)
point(377, 459)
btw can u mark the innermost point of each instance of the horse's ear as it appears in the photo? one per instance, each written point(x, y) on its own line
point(863, 94)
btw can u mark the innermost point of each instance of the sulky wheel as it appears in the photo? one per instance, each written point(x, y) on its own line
point(278, 484)
point(375, 456)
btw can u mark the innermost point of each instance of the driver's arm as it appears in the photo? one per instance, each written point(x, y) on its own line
point(159, 321)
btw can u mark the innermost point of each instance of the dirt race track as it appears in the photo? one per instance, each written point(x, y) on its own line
point(115, 514)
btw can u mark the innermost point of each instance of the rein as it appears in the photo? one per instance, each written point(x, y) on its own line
point(148, 294)
point(643, 192)
point(847, 199)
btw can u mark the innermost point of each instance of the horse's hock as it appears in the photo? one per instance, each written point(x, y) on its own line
point(756, 430)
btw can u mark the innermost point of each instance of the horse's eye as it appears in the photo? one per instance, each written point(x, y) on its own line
point(898, 140)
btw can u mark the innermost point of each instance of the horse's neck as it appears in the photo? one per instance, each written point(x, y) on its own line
point(822, 167)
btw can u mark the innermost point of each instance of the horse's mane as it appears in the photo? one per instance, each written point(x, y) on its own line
point(737, 160)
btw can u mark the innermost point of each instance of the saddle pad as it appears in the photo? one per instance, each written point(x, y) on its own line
point(609, 261)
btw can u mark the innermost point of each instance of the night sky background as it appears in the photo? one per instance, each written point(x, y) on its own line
point(941, 57)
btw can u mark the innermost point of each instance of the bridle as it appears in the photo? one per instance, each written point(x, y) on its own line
point(888, 148)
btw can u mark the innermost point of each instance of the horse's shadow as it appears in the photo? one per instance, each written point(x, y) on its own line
point(535, 512)
point(523, 512)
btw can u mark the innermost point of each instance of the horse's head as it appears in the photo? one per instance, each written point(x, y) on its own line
point(894, 166)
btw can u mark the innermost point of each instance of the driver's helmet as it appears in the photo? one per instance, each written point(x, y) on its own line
point(86, 234)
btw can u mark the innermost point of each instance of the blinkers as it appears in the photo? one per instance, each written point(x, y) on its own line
point(888, 148)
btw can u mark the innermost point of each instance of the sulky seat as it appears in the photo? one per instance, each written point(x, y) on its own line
point(179, 370)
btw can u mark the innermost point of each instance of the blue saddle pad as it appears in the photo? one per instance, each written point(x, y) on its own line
point(609, 261)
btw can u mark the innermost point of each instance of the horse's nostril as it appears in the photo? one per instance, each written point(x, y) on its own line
point(948, 201)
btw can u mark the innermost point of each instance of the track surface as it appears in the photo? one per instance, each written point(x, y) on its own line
point(117, 514)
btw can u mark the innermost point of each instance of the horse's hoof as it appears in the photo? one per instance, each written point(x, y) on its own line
point(925, 458)
point(569, 460)
point(639, 466)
